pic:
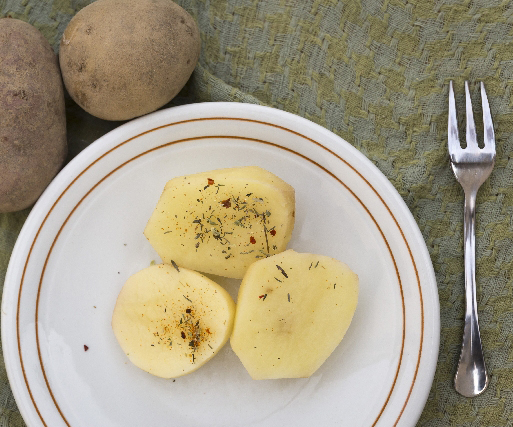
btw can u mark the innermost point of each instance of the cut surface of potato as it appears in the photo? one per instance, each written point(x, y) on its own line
point(293, 309)
point(222, 221)
point(170, 321)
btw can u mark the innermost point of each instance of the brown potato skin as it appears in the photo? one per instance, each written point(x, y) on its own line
point(32, 115)
point(124, 58)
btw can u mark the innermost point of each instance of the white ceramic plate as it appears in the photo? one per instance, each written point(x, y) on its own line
point(84, 238)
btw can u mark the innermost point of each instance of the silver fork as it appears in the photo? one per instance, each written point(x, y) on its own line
point(471, 166)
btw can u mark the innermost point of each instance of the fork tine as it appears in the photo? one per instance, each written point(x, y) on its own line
point(471, 127)
point(453, 137)
point(489, 134)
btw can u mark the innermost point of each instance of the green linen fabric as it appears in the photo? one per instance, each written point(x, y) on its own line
point(375, 72)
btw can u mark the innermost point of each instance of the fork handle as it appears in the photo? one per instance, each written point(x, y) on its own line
point(471, 377)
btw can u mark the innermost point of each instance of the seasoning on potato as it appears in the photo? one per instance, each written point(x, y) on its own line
point(170, 321)
point(222, 221)
point(124, 58)
point(293, 309)
point(33, 143)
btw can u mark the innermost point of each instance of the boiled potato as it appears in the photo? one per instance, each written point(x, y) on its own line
point(293, 309)
point(32, 115)
point(124, 58)
point(170, 321)
point(222, 221)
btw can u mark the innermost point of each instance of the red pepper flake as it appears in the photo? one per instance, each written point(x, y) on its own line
point(252, 240)
point(272, 232)
point(86, 348)
point(210, 181)
point(263, 297)
point(183, 334)
point(226, 203)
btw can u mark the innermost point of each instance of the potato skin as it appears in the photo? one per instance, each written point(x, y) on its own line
point(124, 58)
point(32, 115)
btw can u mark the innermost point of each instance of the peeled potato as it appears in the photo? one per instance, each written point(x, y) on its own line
point(170, 321)
point(222, 221)
point(293, 310)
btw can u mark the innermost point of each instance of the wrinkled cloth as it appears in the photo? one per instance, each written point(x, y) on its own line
point(375, 73)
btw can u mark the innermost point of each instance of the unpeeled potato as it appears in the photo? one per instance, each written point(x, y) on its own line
point(33, 142)
point(124, 58)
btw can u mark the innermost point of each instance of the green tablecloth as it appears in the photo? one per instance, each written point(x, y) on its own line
point(376, 73)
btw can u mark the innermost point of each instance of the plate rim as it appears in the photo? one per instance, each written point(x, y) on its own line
point(242, 112)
